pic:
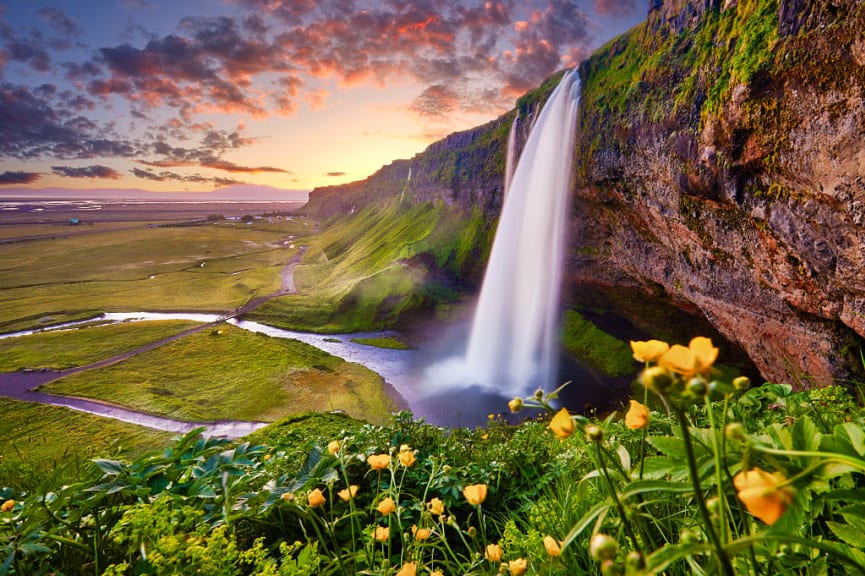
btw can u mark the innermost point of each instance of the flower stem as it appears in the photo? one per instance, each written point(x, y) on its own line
point(723, 558)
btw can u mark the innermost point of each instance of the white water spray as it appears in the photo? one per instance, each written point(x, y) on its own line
point(513, 345)
point(510, 157)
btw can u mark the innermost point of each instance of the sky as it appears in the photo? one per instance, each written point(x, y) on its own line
point(188, 95)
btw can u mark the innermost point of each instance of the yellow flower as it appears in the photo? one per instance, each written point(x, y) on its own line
point(697, 358)
point(552, 546)
point(436, 573)
point(637, 417)
point(648, 351)
point(386, 506)
point(518, 566)
point(436, 507)
point(348, 493)
point(288, 497)
point(408, 569)
point(475, 494)
point(267, 457)
point(315, 498)
point(382, 533)
point(562, 425)
point(333, 446)
point(515, 405)
point(763, 493)
point(420, 533)
point(406, 456)
point(378, 461)
point(7, 506)
point(493, 553)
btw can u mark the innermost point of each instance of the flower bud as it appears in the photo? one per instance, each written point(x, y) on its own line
point(698, 387)
point(635, 561)
point(713, 505)
point(539, 394)
point(741, 383)
point(516, 405)
point(689, 537)
point(603, 547)
point(736, 431)
point(656, 378)
point(594, 433)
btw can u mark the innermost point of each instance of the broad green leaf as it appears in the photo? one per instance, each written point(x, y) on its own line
point(806, 436)
point(854, 434)
point(111, 467)
point(669, 446)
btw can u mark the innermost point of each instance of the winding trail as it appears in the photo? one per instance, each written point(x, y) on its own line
point(24, 385)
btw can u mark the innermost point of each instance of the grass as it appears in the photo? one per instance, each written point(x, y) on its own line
point(216, 267)
point(234, 375)
point(371, 269)
point(383, 342)
point(81, 346)
point(35, 439)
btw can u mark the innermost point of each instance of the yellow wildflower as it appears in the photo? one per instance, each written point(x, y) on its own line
point(648, 351)
point(333, 446)
point(315, 498)
point(697, 358)
point(288, 497)
point(267, 457)
point(382, 533)
point(408, 569)
point(378, 461)
point(493, 553)
point(436, 507)
point(515, 405)
point(475, 494)
point(436, 573)
point(420, 533)
point(7, 506)
point(348, 493)
point(763, 493)
point(562, 425)
point(386, 506)
point(552, 546)
point(518, 566)
point(637, 417)
point(406, 456)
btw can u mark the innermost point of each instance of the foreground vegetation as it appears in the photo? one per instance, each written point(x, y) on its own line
point(700, 476)
point(230, 373)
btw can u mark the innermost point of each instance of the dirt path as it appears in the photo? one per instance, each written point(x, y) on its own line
point(24, 385)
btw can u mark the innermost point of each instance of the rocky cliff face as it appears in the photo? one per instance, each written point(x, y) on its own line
point(723, 165)
point(721, 170)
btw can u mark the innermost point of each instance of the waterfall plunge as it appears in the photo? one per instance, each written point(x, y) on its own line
point(513, 345)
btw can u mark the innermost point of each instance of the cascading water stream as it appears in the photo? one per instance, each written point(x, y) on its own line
point(513, 344)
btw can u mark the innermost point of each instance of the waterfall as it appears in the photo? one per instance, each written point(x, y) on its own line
point(513, 342)
point(511, 154)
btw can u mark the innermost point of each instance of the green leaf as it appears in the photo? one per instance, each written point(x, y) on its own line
point(806, 436)
point(854, 434)
point(847, 533)
point(669, 446)
point(111, 467)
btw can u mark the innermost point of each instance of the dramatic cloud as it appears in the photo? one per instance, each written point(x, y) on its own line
point(33, 126)
point(95, 171)
point(615, 7)
point(437, 100)
point(10, 178)
point(167, 175)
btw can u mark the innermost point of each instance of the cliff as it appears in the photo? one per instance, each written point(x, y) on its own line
point(721, 170)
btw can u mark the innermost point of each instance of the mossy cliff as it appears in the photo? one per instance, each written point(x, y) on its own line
point(721, 164)
point(720, 170)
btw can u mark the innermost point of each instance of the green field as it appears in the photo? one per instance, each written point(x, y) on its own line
point(215, 268)
point(35, 438)
point(81, 346)
point(372, 269)
point(234, 375)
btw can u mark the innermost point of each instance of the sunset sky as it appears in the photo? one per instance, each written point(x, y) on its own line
point(200, 94)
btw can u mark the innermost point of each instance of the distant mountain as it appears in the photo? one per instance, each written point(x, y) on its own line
point(237, 192)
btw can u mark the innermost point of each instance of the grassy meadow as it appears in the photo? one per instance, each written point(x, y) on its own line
point(380, 266)
point(231, 374)
point(214, 267)
point(82, 345)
